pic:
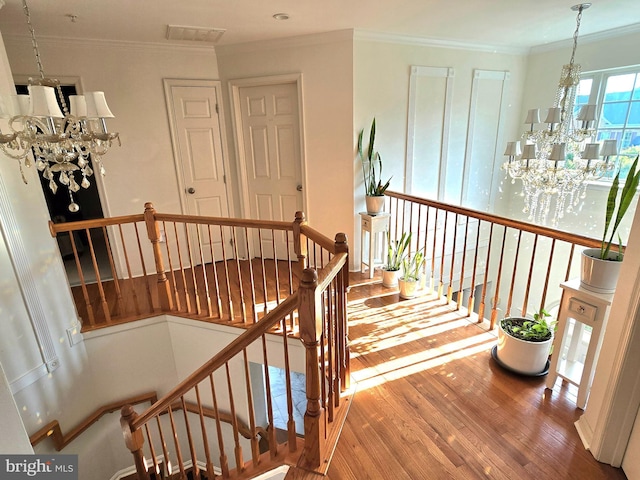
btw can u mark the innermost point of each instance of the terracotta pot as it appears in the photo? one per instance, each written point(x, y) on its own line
point(597, 275)
point(375, 204)
point(390, 278)
point(408, 288)
point(520, 356)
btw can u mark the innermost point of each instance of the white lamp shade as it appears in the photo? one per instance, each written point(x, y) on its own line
point(533, 116)
point(18, 105)
point(558, 152)
point(529, 152)
point(78, 105)
point(97, 105)
point(609, 147)
point(553, 115)
point(591, 151)
point(44, 102)
point(513, 149)
point(587, 113)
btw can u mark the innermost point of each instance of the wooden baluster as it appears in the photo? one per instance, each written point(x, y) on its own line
point(187, 297)
point(271, 432)
point(205, 280)
point(255, 444)
point(96, 269)
point(252, 285)
point(442, 255)
point(291, 423)
point(153, 232)
point(156, 467)
point(290, 276)
point(568, 272)
point(192, 451)
point(531, 265)
point(276, 269)
point(144, 266)
point(224, 463)
point(165, 451)
point(424, 246)
point(176, 443)
point(300, 242)
point(322, 309)
point(112, 265)
point(453, 259)
point(310, 327)
point(342, 246)
point(234, 423)
point(83, 285)
point(335, 339)
point(215, 273)
point(418, 226)
point(464, 261)
point(328, 320)
point(243, 307)
point(486, 277)
point(432, 280)
point(264, 273)
point(134, 291)
point(507, 312)
point(472, 293)
point(134, 440)
point(546, 280)
point(176, 297)
point(226, 275)
point(404, 210)
point(397, 218)
point(196, 290)
point(496, 297)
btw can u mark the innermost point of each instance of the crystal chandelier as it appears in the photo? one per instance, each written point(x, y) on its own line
point(556, 161)
point(63, 142)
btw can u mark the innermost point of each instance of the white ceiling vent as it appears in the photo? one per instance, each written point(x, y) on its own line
point(194, 34)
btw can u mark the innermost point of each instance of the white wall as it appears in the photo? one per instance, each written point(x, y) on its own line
point(325, 62)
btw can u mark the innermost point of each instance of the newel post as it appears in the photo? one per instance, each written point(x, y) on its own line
point(153, 232)
point(300, 240)
point(342, 246)
point(310, 330)
point(134, 440)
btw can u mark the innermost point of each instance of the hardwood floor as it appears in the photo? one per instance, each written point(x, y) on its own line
point(431, 403)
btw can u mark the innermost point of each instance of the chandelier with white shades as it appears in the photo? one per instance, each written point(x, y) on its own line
point(63, 142)
point(556, 161)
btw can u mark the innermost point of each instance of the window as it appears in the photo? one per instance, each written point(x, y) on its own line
point(617, 94)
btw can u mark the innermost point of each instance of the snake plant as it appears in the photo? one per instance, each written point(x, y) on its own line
point(371, 165)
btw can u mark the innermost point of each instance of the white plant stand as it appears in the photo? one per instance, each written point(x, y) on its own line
point(374, 225)
point(586, 308)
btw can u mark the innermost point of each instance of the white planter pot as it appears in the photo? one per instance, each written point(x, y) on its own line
point(597, 275)
point(520, 356)
point(408, 288)
point(375, 204)
point(390, 278)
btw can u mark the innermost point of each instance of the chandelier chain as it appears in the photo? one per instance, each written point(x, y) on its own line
point(575, 35)
point(34, 43)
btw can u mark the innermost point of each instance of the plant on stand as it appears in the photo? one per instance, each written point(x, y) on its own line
point(601, 266)
point(410, 277)
point(372, 173)
point(396, 252)
point(524, 344)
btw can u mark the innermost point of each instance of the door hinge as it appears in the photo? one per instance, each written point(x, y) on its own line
point(217, 109)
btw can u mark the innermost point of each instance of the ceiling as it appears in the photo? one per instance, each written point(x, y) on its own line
point(502, 23)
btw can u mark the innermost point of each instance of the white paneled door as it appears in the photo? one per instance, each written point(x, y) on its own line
point(271, 159)
point(197, 140)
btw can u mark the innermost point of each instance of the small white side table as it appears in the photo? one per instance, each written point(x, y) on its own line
point(586, 308)
point(375, 225)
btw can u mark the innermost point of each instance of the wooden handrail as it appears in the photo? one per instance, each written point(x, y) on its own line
point(498, 220)
point(56, 228)
point(240, 343)
point(329, 272)
point(224, 221)
point(52, 429)
point(322, 240)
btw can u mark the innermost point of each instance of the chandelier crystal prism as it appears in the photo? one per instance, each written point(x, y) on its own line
point(556, 161)
point(63, 142)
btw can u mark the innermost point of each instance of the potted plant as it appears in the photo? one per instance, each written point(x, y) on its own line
point(372, 173)
point(524, 344)
point(409, 279)
point(600, 267)
point(396, 252)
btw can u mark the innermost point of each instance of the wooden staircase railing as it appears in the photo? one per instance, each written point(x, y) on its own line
point(513, 267)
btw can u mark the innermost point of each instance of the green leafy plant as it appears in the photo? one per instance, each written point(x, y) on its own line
point(536, 330)
point(397, 251)
point(371, 165)
point(411, 266)
point(615, 211)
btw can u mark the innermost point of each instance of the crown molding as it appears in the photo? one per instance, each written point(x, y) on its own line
point(21, 40)
point(590, 38)
point(435, 42)
point(334, 36)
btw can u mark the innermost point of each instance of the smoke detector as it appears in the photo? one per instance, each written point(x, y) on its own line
point(194, 34)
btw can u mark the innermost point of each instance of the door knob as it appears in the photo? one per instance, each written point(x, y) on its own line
point(299, 188)
point(191, 190)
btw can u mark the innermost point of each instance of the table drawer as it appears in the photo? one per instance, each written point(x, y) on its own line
point(581, 311)
point(366, 225)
